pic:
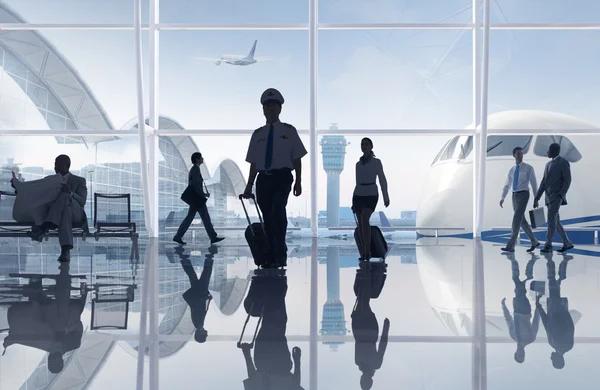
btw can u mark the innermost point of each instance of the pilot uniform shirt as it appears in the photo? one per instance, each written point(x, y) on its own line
point(365, 178)
point(287, 146)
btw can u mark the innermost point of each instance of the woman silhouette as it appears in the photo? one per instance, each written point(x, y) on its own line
point(366, 193)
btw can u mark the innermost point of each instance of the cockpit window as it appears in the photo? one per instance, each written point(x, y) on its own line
point(449, 151)
point(457, 148)
point(568, 151)
point(503, 145)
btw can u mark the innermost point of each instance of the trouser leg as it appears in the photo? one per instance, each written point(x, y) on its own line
point(187, 221)
point(519, 201)
point(264, 197)
point(283, 187)
point(553, 208)
point(71, 214)
point(561, 231)
point(203, 211)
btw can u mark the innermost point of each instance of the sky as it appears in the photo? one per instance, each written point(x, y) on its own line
point(366, 79)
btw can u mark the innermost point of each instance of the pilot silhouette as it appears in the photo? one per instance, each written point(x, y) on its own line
point(557, 318)
point(197, 296)
point(272, 365)
point(520, 328)
point(52, 325)
point(365, 327)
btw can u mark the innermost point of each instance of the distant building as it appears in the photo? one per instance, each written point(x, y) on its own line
point(408, 214)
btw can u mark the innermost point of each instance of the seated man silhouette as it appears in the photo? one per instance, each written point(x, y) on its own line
point(66, 211)
point(520, 328)
point(51, 325)
point(365, 327)
point(271, 369)
point(197, 296)
point(558, 320)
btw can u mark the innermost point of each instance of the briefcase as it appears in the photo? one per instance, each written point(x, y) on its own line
point(192, 198)
point(537, 217)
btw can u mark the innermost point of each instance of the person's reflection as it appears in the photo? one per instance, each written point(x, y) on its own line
point(197, 296)
point(369, 282)
point(520, 328)
point(52, 325)
point(558, 321)
point(272, 365)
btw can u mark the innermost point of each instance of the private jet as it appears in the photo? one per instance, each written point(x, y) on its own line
point(239, 60)
point(447, 197)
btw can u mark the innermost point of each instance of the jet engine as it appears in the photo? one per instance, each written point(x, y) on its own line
point(218, 62)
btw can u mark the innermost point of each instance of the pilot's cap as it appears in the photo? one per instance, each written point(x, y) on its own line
point(271, 95)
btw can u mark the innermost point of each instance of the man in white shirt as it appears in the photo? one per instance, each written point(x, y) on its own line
point(275, 150)
point(519, 178)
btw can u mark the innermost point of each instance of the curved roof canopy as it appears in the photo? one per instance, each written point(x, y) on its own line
point(34, 61)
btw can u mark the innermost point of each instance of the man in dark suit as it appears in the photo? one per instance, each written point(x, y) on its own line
point(555, 184)
point(195, 180)
point(66, 211)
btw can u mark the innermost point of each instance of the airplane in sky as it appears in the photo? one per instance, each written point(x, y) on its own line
point(239, 60)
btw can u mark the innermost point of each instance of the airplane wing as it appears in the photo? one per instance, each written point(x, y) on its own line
point(207, 59)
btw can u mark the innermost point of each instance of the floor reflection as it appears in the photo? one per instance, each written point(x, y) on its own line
point(402, 322)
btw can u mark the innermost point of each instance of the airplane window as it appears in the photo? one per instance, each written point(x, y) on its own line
point(568, 151)
point(449, 151)
point(503, 145)
point(466, 147)
point(440, 152)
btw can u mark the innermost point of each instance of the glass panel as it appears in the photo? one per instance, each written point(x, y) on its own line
point(69, 11)
point(225, 172)
point(547, 75)
point(108, 167)
point(233, 11)
point(552, 11)
point(395, 79)
point(427, 11)
point(66, 74)
point(440, 194)
point(203, 88)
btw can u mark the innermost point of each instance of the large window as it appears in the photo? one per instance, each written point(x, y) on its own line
point(202, 87)
point(395, 79)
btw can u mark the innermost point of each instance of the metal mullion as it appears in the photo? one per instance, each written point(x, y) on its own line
point(232, 27)
point(394, 26)
point(349, 132)
point(69, 26)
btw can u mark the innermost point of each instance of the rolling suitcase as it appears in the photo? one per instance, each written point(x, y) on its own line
point(377, 273)
point(256, 237)
point(379, 247)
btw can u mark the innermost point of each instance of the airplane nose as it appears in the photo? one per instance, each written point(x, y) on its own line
point(446, 201)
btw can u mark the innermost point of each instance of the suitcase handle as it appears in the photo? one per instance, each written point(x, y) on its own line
point(359, 233)
point(239, 343)
point(257, 211)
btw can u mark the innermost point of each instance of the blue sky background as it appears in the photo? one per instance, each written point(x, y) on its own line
point(367, 79)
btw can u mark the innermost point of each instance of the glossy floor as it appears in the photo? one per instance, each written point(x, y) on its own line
point(445, 325)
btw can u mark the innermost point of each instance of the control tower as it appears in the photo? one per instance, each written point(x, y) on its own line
point(333, 149)
point(333, 323)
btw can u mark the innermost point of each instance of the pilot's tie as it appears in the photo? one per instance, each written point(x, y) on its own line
point(269, 156)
